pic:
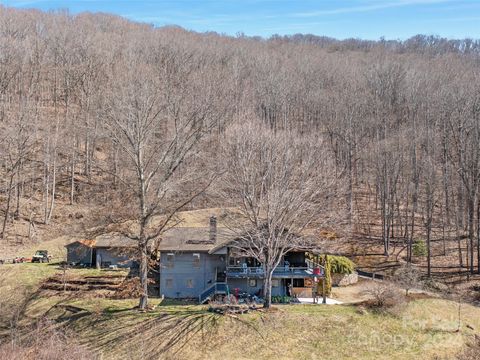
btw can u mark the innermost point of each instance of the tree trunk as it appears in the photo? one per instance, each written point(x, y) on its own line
point(46, 183)
point(429, 252)
point(72, 175)
point(31, 227)
point(7, 210)
point(267, 288)
point(478, 236)
point(18, 189)
point(143, 274)
point(412, 223)
point(143, 241)
point(54, 181)
point(471, 232)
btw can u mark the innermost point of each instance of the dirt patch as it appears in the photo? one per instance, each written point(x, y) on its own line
point(129, 288)
point(353, 293)
point(109, 286)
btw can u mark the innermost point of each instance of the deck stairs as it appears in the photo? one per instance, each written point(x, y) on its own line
point(217, 288)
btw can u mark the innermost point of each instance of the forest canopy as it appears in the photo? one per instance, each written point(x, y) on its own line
point(400, 119)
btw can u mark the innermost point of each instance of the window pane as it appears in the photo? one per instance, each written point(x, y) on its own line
point(189, 283)
point(169, 283)
point(196, 260)
point(298, 283)
point(170, 260)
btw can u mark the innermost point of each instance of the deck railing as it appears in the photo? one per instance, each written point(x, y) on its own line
point(258, 271)
point(215, 288)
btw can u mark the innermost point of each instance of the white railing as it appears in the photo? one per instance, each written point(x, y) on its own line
point(213, 289)
point(243, 270)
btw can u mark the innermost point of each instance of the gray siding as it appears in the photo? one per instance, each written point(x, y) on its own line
point(79, 254)
point(244, 286)
point(121, 258)
point(174, 281)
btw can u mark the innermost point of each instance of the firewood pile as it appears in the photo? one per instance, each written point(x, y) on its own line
point(230, 309)
point(129, 288)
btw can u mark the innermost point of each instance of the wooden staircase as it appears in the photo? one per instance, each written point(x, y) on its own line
point(217, 288)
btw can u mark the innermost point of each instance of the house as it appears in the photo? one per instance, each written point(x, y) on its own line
point(200, 262)
point(104, 250)
point(187, 267)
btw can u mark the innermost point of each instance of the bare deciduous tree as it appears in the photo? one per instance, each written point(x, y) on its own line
point(408, 277)
point(284, 184)
point(158, 127)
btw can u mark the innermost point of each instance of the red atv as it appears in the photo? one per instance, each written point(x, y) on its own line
point(19, 260)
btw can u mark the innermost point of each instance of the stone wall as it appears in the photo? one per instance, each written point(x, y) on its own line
point(344, 279)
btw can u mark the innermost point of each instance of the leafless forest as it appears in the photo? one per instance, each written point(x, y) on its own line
point(132, 121)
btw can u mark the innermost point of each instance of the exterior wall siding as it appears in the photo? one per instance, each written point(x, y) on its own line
point(184, 280)
point(115, 257)
point(79, 254)
point(243, 285)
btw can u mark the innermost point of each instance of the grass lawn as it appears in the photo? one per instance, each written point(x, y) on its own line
point(25, 277)
point(115, 329)
point(422, 329)
point(28, 276)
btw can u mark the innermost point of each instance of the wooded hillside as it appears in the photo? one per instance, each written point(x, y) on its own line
point(87, 101)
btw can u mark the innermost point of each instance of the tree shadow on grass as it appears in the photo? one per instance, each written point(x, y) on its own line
point(127, 332)
point(149, 334)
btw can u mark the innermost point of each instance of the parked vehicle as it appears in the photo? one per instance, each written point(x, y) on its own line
point(41, 256)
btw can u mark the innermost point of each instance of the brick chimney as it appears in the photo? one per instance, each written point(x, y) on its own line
point(213, 228)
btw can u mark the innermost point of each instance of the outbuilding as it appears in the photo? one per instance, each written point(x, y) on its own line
point(103, 251)
point(81, 252)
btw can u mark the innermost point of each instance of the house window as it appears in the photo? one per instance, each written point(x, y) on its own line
point(196, 260)
point(252, 282)
point(189, 283)
point(233, 261)
point(275, 283)
point(298, 283)
point(169, 283)
point(170, 260)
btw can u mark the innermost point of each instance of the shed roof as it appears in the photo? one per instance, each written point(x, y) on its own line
point(114, 240)
point(111, 240)
point(174, 239)
point(86, 242)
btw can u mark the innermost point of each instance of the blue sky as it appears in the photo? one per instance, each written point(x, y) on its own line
point(366, 19)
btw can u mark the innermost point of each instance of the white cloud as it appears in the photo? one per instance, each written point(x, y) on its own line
point(367, 7)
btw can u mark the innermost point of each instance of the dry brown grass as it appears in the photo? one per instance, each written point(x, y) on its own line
point(44, 341)
point(425, 328)
point(114, 328)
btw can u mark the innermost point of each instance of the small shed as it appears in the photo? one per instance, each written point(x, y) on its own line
point(104, 250)
point(81, 252)
point(116, 249)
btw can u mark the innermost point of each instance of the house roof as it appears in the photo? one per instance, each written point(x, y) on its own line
point(190, 239)
point(309, 243)
point(174, 239)
point(178, 239)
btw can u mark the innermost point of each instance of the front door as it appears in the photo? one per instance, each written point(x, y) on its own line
point(288, 286)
